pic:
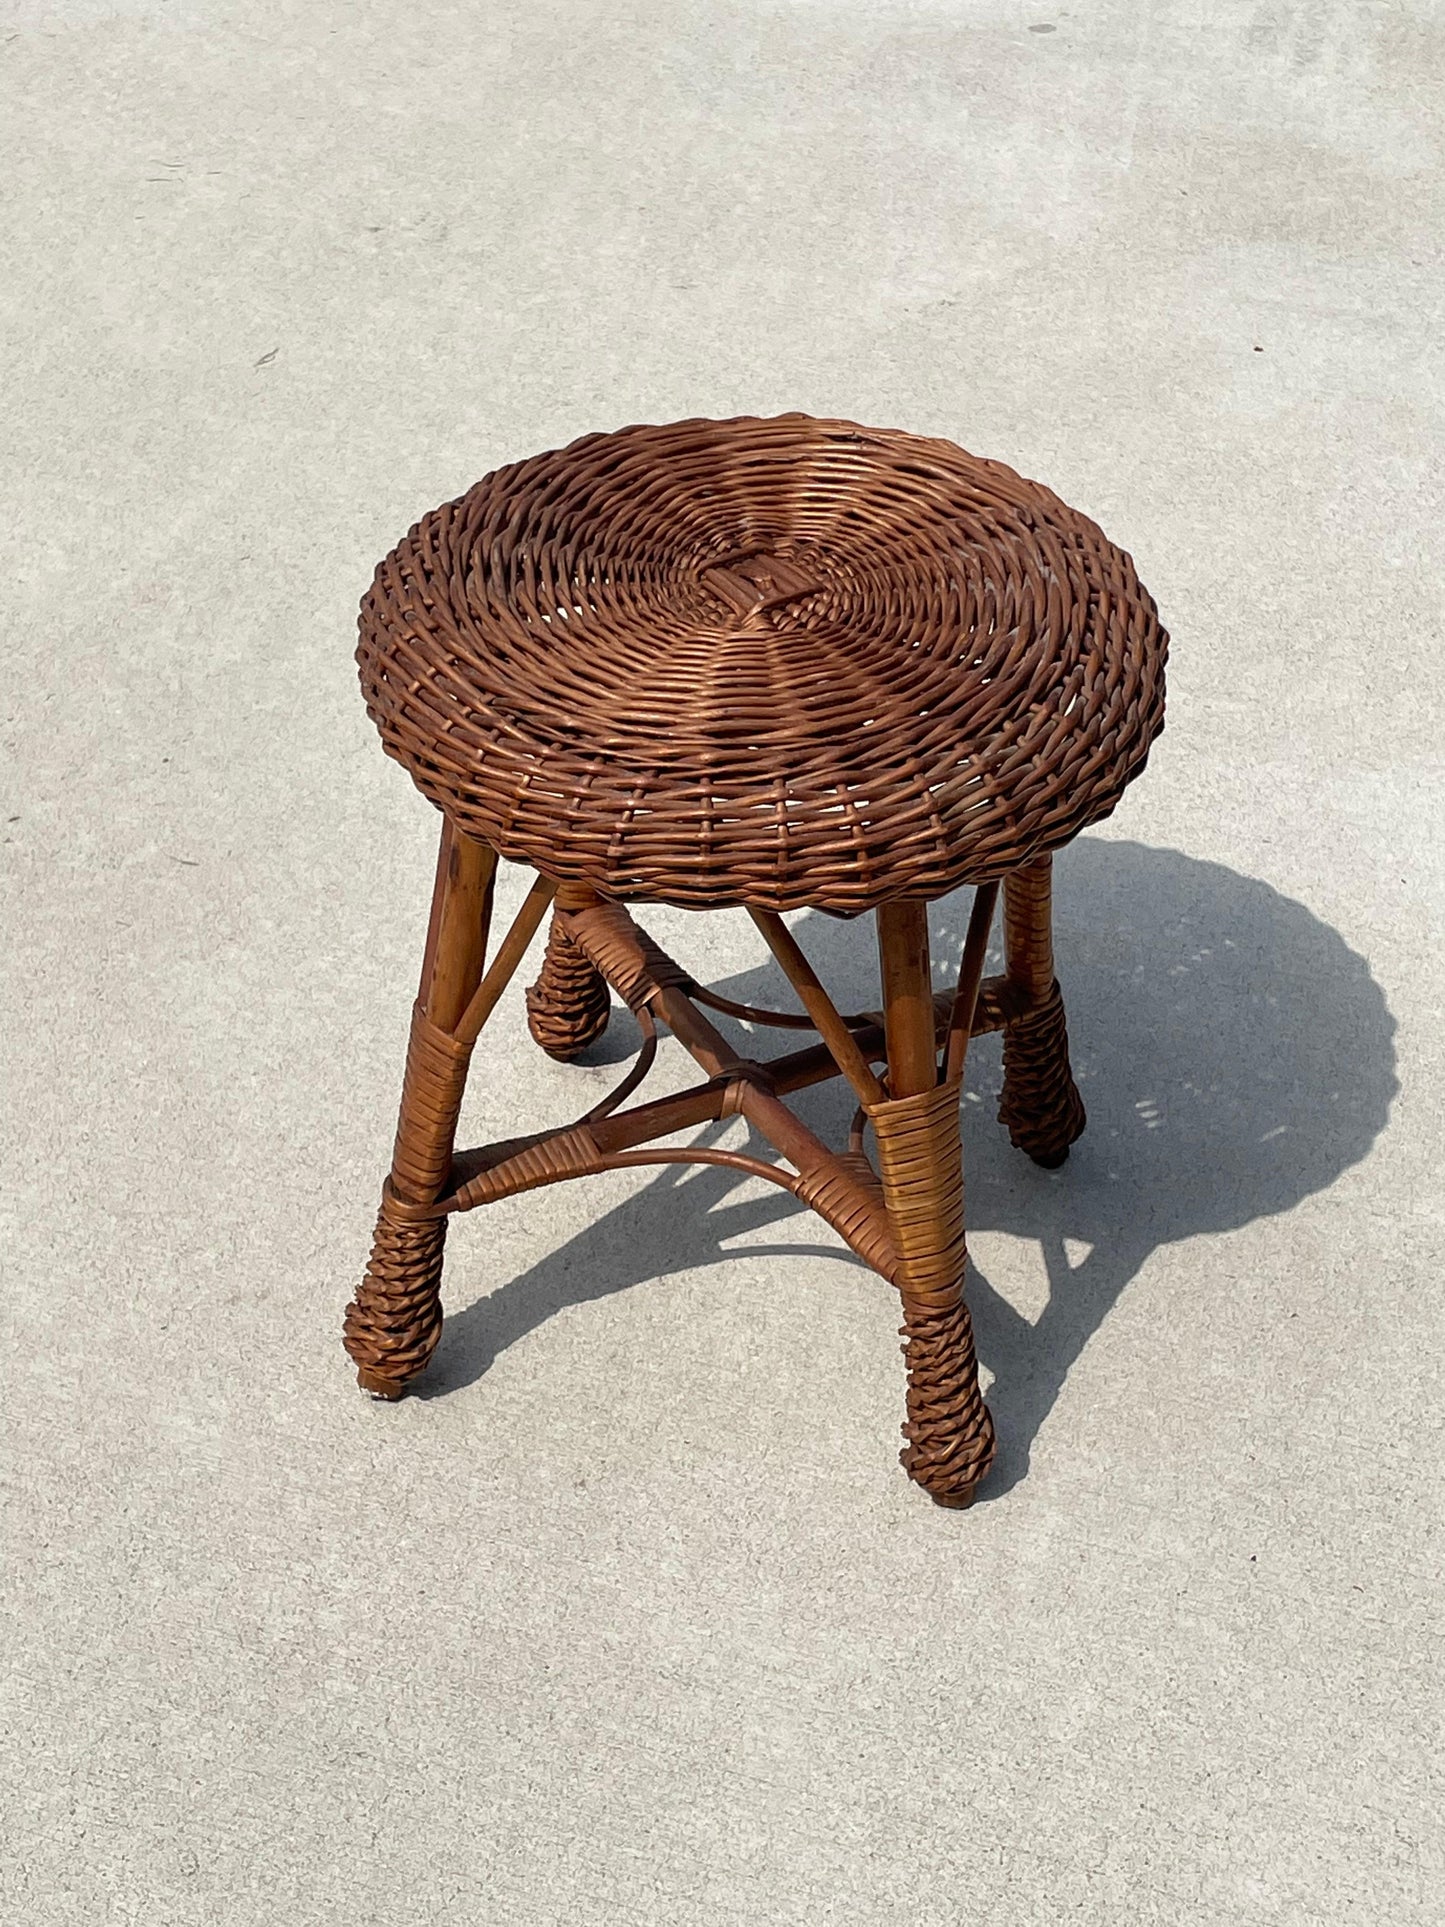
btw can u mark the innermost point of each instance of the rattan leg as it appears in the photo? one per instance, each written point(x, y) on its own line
point(1041, 1106)
point(395, 1319)
point(568, 1006)
point(950, 1440)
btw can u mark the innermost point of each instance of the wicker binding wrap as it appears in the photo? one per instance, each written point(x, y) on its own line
point(779, 664)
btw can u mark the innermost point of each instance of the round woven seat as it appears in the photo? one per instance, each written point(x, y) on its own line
point(769, 662)
point(773, 664)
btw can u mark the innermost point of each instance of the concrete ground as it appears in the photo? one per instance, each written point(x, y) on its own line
point(633, 1617)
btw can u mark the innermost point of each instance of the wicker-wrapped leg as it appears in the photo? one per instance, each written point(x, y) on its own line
point(568, 1006)
point(394, 1321)
point(950, 1442)
point(1041, 1106)
point(950, 1438)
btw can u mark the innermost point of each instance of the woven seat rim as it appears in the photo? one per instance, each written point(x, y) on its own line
point(1032, 729)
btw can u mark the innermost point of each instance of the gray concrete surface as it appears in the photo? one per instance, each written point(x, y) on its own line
point(633, 1618)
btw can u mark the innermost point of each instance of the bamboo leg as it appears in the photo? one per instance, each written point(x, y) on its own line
point(395, 1319)
point(949, 1434)
point(1041, 1106)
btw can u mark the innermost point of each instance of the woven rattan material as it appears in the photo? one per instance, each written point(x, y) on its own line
point(949, 1432)
point(844, 1205)
point(769, 663)
point(567, 1154)
point(395, 1319)
point(626, 956)
point(568, 1005)
point(776, 662)
point(436, 1075)
point(1040, 1105)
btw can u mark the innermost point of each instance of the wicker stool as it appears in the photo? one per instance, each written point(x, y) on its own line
point(770, 664)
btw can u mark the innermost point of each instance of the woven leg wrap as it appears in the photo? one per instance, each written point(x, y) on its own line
point(395, 1319)
point(567, 1007)
point(1041, 1106)
point(950, 1440)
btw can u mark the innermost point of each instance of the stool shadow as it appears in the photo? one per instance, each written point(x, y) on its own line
point(1235, 1055)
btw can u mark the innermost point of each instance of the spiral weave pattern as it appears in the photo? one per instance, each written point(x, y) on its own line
point(949, 1431)
point(568, 1006)
point(1040, 1105)
point(394, 1321)
point(777, 662)
point(950, 1438)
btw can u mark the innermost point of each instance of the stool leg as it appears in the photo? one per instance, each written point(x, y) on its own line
point(568, 1006)
point(395, 1319)
point(950, 1440)
point(1041, 1105)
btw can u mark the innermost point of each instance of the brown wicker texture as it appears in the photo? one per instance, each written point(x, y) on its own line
point(762, 662)
point(567, 1007)
point(949, 1432)
point(775, 662)
point(393, 1323)
point(1040, 1106)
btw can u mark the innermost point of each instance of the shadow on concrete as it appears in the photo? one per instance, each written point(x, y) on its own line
point(1234, 1054)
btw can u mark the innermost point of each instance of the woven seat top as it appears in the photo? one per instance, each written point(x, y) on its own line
point(775, 662)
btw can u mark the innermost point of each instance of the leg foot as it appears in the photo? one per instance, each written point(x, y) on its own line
point(949, 1432)
point(568, 1006)
point(1041, 1106)
point(395, 1319)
